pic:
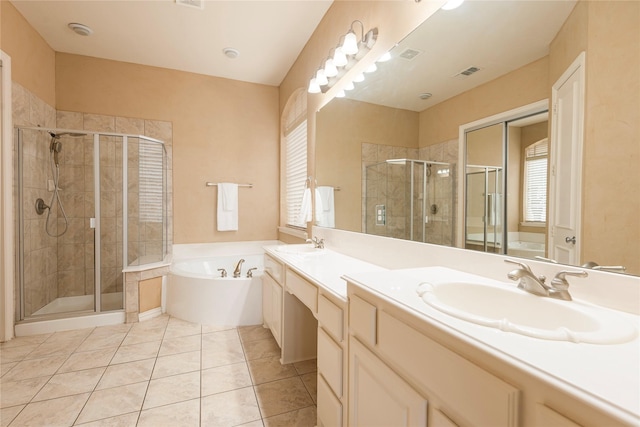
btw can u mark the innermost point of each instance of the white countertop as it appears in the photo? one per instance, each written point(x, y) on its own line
point(605, 376)
point(324, 268)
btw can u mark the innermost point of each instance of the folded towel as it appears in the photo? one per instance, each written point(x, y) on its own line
point(325, 209)
point(227, 211)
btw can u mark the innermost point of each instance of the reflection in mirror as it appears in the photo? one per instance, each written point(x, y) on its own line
point(529, 46)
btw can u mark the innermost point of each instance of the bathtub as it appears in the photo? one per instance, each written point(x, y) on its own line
point(525, 249)
point(196, 292)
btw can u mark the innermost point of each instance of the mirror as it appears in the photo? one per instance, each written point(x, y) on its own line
point(474, 62)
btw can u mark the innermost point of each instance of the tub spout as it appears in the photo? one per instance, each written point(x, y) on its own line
point(237, 272)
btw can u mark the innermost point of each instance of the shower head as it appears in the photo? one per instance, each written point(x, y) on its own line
point(61, 134)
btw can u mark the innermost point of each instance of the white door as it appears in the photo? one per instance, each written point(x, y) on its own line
point(565, 180)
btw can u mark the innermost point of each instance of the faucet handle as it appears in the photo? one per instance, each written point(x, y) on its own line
point(559, 282)
point(250, 271)
point(223, 272)
point(521, 264)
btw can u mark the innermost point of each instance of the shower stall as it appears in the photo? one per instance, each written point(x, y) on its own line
point(410, 199)
point(88, 205)
point(484, 216)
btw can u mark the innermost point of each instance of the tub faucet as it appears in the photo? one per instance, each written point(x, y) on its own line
point(558, 289)
point(317, 243)
point(237, 271)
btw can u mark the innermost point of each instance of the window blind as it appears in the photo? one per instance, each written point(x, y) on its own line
point(535, 182)
point(150, 181)
point(295, 172)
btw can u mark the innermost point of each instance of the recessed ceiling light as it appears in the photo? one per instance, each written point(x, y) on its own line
point(425, 95)
point(80, 29)
point(230, 52)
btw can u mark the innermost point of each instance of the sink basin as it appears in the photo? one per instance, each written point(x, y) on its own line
point(301, 249)
point(513, 310)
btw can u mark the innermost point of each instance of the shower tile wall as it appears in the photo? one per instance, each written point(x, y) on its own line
point(40, 250)
point(59, 267)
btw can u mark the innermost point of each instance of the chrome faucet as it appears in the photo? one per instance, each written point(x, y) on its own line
point(237, 271)
point(317, 243)
point(613, 268)
point(528, 281)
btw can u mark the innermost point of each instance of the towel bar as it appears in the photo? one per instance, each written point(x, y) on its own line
point(215, 184)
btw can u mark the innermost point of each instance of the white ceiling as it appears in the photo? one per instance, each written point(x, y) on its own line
point(495, 36)
point(269, 34)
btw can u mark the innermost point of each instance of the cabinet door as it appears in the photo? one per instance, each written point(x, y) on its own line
point(547, 417)
point(276, 310)
point(378, 396)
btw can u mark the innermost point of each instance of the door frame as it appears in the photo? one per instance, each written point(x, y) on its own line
point(578, 65)
point(7, 265)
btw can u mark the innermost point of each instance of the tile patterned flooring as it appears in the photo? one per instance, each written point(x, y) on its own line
point(161, 372)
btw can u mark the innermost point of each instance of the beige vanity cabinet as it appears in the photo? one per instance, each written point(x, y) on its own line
point(272, 296)
point(332, 360)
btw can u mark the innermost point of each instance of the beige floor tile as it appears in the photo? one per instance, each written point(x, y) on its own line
point(206, 329)
point(88, 360)
point(183, 414)
point(139, 336)
point(310, 382)
point(180, 345)
point(126, 420)
point(72, 335)
point(261, 348)
point(55, 412)
point(20, 341)
point(225, 378)
point(112, 402)
point(17, 353)
point(130, 353)
point(156, 322)
point(55, 348)
point(112, 329)
point(101, 340)
point(220, 337)
point(174, 389)
point(306, 367)
point(181, 328)
point(176, 364)
point(253, 333)
point(8, 414)
point(14, 393)
point(71, 383)
point(220, 353)
point(269, 369)
point(278, 397)
point(305, 417)
point(6, 367)
point(230, 408)
point(33, 368)
point(256, 423)
point(126, 373)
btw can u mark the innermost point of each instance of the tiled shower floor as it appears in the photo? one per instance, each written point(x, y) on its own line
point(161, 372)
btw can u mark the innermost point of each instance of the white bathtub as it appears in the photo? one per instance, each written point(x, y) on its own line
point(525, 249)
point(196, 292)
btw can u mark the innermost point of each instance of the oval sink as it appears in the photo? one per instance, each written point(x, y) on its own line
point(513, 310)
point(301, 249)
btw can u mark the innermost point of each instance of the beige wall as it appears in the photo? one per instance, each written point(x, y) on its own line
point(343, 126)
point(223, 131)
point(32, 60)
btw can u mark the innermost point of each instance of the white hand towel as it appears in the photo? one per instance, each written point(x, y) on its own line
point(325, 212)
point(304, 215)
point(227, 206)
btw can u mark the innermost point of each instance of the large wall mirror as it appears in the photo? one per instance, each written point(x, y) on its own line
point(390, 152)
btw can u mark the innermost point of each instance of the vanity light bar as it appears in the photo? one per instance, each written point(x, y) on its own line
point(348, 53)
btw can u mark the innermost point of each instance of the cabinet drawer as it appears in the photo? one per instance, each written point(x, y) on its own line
point(362, 320)
point(330, 361)
point(329, 407)
point(274, 268)
point(331, 317)
point(477, 396)
point(305, 291)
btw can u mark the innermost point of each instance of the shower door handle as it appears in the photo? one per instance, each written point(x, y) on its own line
point(92, 223)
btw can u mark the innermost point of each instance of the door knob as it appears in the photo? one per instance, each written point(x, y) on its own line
point(570, 240)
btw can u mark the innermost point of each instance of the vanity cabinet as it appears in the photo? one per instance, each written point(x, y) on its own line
point(272, 297)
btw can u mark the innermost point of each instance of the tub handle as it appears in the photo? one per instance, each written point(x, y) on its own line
point(250, 271)
point(223, 272)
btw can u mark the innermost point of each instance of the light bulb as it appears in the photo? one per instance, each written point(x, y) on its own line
point(340, 94)
point(330, 69)
point(359, 78)
point(452, 4)
point(339, 58)
point(372, 68)
point(385, 57)
point(350, 45)
point(314, 87)
point(321, 79)
point(349, 86)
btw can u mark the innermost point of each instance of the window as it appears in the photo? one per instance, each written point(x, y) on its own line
point(535, 182)
point(295, 158)
point(151, 180)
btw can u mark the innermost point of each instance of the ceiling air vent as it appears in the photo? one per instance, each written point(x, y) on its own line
point(198, 4)
point(410, 54)
point(466, 72)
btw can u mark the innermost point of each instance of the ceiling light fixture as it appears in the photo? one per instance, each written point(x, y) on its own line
point(349, 52)
point(80, 29)
point(230, 52)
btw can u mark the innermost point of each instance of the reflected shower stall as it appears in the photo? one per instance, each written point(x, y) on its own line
point(410, 199)
point(484, 227)
point(89, 204)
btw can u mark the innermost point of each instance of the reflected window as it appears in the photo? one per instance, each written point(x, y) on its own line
point(535, 182)
point(295, 160)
